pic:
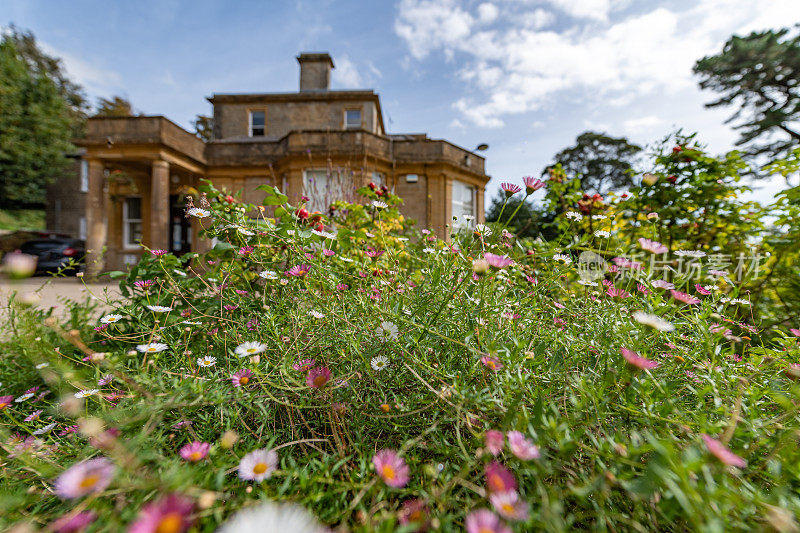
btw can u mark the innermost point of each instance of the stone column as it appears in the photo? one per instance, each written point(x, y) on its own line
point(96, 219)
point(159, 206)
point(480, 210)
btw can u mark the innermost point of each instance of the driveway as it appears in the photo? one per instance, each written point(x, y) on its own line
point(49, 292)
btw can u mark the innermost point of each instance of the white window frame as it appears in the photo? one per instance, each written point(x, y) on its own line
point(82, 228)
point(458, 207)
point(349, 126)
point(126, 221)
point(250, 122)
point(84, 175)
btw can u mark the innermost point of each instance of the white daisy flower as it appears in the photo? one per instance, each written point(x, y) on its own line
point(602, 233)
point(324, 234)
point(180, 272)
point(377, 204)
point(268, 274)
point(159, 308)
point(469, 218)
point(153, 347)
point(386, 331)
point(110, 319)
point(690, 253)
point(429, 250)
point(250, 348)
point(587, 283)
point(483, 230)
point(86, 393)
point(246, 232)
point(740, 301)
point(199, 213)
point(662, 284)
point(45, 429)
point(258, 465)
point(206, 361)
point(271, 516)
point(563, 257)
point(379, 363)
point(24, 397)
point(574, 215)
point(654, 321)
point(316, 314)
point(42, 365)
point(599, 217)
point(345, 259)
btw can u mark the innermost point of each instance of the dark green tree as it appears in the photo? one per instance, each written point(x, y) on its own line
point(759, 75)
point(603, 163)
point(115, 106)
point(34, 130)
point(204, 127)
point(529, 221)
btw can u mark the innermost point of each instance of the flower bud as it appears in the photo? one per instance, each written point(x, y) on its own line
point(480, 266)
point(649, 179)
point(19, 265)
point(228, 439)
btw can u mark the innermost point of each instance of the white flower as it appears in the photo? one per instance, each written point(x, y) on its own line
point(429, 250)
point(316, 314)
point(654, 321)
point(110, 319)
point(324, 234)
point(206, 361)
point(662, 284)
point(574, 215)
point(180, 272)
point(599, 217)
point(379, 363)
point(244, 231)
point(42, 365)
point(86, 393)
point(740, 301)
point(602, 233)
point(563, 257)
point(724, 299)
point(268, 274)
point(483, 230)
point(24, 397)
point(690, 253)
point(386, 331)
point(190, 323)
point(377, 204)
point(45, 429)
point(271, 516)
point(258, 465)
point(159, 308)
point(250, 348)
point(587, 282)
point(153, 347)
point(469, 218)
point(199, 213)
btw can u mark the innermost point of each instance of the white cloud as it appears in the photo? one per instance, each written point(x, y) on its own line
point(487, 12)
point(642, 125)
point(521, 66)
point(94, 78)
point(346, 74)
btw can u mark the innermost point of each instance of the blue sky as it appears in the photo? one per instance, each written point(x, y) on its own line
point(524, 76)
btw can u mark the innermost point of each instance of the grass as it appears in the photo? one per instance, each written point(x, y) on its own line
point(22, 219)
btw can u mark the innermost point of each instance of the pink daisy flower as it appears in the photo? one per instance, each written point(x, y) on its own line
point(392, 469)
point(509, 505)
point(298, 271)
point(241, 378)
point(494, 441)
point(510, 189)
point(258, 465)
point(328, 253)
point(73, 523)
point(653, 247)
point(86, 477)
point(318, 377)
point(485, 521)
point(304, 365)
point(718, 272)
point(492, 363)
point(171, 513)
point(617, 293)
point(685, 298)
point(662, 284)
point(158, 253)
point(722, 453)
point(521, 447)
point(374, 254)
point(641, 288)
point(195, 451)
point(795, 332)
point(33, 416)
point(497, 261)
point(414, 512)
point(342, 287)
point(532, 184)
point(499, 478)
point(5, 401)
point(143, 283)
point(636, 360)
point(702, 290)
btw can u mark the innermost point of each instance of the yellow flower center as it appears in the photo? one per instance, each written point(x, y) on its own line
point(319, 381)
point(492, 365)
point(507, 507)
point(196, 456)
point(171, 523)
point(151, 349)
point(243, 380)
point(89, 482)
point(260, 468)
point(388, 472)
point(251, 350)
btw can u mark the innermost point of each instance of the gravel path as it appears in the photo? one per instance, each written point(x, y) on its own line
point(51, 292)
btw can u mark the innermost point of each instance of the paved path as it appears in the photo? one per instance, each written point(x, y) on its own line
point(52, 292)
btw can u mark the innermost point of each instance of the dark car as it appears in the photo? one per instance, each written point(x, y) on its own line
point(55, 253)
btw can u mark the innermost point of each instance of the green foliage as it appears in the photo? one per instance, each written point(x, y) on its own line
point(21, 219)
point(35, 125)
point(759, 75)
point(204, 127)
point(116, 106)
point(530, 221)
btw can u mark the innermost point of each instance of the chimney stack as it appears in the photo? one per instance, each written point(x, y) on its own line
point(315, 71)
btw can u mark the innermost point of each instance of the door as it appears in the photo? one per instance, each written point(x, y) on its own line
point(180, 241)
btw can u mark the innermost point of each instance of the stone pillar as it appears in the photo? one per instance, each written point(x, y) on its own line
point(480, 210)
point(159, 206)
point(96, 220)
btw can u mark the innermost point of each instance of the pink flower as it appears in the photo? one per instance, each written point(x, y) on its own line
point(509, 505)
point(718, 272)
point(298, 271)
point(485, 521)
point(685, 298)
point(195, 451)
point(492, 363)
point(499, 478)
point(318, 376)
point(342, 287)
point(662, 284)
point(258, 465)
point(391, 468)
point(86, 477)
point(722, 453)
point(414, 512)
point(510, 189)
point(521, 447)
point(143, 283)
point(246, 250)
point(623, 262)
point(494, 441)
point(171, 513)
point(158, 253)
point(497, 261)
point(617, 293)
point(374, 254)
point(636, 360)
point(73, 523)
point(641, 288)
point(652, 246)
point(304, 365)
point(241, 378)
point(33, 416)
point(532, 184)
point(795, 332)
point(702, 290)
point(5, 401)
point(328, 253)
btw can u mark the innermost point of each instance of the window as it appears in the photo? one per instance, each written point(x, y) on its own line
point(352, 119)
point(463, 206)
point(378, 178)
point(84, 175)
point(258, 123)
point(131, 222)
point(82, 228)
point(324, 187)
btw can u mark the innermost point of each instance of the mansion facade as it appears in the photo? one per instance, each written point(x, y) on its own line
point(134, 172)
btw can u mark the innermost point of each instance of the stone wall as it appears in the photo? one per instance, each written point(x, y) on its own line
point(66, 203)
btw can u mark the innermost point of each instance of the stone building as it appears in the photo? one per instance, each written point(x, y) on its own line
point(315, 142)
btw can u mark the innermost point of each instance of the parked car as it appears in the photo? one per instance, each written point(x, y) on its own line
point(12, 240)
point(55, 253)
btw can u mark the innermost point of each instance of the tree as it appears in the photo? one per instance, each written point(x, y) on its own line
point(759, 74)
point(40, 63)
point(117, 106)
point(603, 163)
point(204, 127)
point(34, 130)
point(528, 221)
